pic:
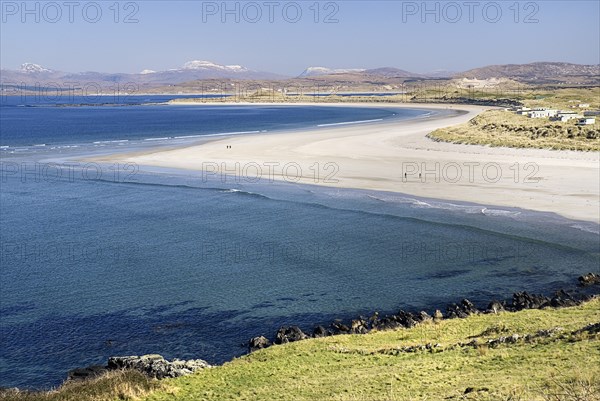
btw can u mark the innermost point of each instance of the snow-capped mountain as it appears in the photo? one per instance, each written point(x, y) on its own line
point(316, 71)
point(30, 73)
point(207, 65)
point(33, 68)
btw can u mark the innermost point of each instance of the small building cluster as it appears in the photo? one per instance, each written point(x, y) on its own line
point(557, 115)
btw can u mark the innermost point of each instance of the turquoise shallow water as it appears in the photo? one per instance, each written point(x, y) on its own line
point(162, 261)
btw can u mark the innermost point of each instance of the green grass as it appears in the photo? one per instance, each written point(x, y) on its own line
point(364, 367)
point(356, 367)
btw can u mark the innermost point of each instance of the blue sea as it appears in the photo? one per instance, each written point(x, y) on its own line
point(105, 260)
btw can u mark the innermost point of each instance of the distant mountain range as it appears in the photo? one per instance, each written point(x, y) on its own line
point(30, 74)
point(193, 71)
point(543, 72)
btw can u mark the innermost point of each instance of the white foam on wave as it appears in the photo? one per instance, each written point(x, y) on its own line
point(593, 230)
point(350, 122)
point(469, 209)
point(499, 212)
point(115, 141)
point(188, 136)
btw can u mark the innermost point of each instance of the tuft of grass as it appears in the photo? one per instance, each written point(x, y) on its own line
point(112, 386)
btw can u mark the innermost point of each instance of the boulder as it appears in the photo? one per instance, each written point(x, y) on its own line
point(340, 328)
point(589, 279)
point(288, 334)
point(437, 315)
point(257, 343)
point(406, 319)
point(359, 326)
point(562, 299)
point(423, 317)
point(320, 331)
point(495, 307)
point(464, 309)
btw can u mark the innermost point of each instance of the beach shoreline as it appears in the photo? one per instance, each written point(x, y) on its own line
point(396, 156)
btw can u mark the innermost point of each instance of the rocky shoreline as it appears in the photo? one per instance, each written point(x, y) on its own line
point(405, 319)
point(157, 367)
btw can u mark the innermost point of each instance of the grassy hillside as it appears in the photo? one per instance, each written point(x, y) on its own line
point(450, 359)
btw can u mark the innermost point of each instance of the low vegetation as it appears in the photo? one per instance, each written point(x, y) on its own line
point(504, 128)
point(554, 356)
point(117, 385)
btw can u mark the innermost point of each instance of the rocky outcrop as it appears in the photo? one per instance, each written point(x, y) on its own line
point(404, 319)
point(589, 279)
point(289, 334)
point(495, 307)
point(156, 366)
point(464, 309)
point(320, 331)
point(257, 343)
point(524, 300)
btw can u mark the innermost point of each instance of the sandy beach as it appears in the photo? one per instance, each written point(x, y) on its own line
point(397, 156)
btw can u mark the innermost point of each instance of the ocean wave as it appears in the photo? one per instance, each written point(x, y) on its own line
point(114, 141)
point(587, 228)
point(469, 209)
point(350, 122)
point(499, 212)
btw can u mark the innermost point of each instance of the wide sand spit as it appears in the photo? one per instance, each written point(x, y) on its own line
point(397, 156)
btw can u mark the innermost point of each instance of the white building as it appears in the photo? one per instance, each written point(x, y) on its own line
point(587, 121)
point(583, 105)
point(566, 116)
point(542, 113)
point(523, 110)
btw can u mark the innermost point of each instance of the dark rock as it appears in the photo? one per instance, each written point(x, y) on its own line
point(593, 328)
point(384, 323)
point(406, 319)
point(320, 331)
point(289, 334)
point(257, 343)
point(156, 366)
point(589, 279)
point(359, 326)
point(463, 310)
point(423, 317)
point(374, 319)
point(340, 328)
point(523, 300)
point(495, 307)
point(563, 299)
point(86, 373)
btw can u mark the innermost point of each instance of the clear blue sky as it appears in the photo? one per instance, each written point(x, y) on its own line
point(367, 34)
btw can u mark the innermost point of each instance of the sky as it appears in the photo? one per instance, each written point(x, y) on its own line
point(286, 37)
